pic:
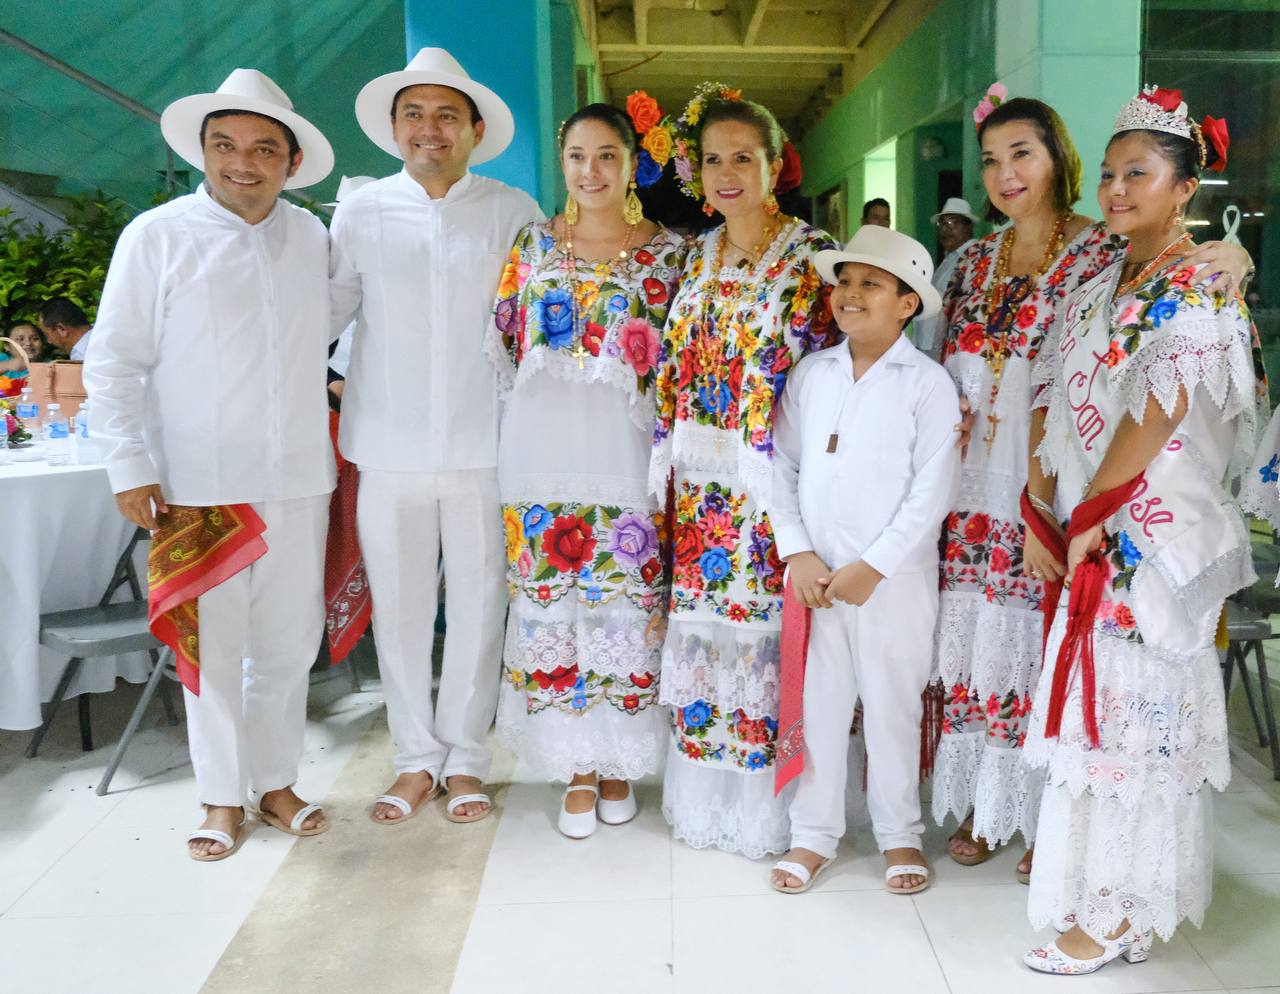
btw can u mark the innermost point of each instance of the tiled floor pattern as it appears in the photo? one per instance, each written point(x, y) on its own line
point(98, 897)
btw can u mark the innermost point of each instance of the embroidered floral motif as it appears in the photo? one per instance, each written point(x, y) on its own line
point(982, 554)
point(704, 735)
point(1002, 719)
point(596, 552)
point(569, 691)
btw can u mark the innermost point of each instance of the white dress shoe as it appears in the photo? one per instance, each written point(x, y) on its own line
point(617, 812)
point(1133, 946)
point(577, 826)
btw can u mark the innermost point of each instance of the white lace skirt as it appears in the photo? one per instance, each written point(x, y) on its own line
point(1124, 829)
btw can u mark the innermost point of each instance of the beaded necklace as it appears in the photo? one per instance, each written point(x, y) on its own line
point(569, 262)
point(1171, 249)
point(1000, 304)
point(772, 229)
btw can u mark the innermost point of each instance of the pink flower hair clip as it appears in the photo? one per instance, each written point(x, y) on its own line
point(996, 95)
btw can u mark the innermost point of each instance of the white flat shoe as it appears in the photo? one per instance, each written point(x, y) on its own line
point(583, 824)
point(1133, 946)
point(800, 872)
point(617, 812)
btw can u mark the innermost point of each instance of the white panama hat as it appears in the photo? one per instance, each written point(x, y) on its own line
point(891, 251)
point(347, 186)
point(955, 205)
point(253, 91)
point(434, 67)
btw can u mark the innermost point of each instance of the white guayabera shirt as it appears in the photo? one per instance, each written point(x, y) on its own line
point(206, 367)
point(880, 490)
point(419, 277)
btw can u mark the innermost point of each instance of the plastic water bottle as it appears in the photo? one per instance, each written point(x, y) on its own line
point(28, 412)
point(85, 451)
point(57, 437)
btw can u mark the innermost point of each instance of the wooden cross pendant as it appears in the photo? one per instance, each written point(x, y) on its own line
point(833, 441)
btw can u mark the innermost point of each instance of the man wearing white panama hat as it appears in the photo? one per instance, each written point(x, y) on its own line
point(954, 224)
point(206, 374)
point(416, 261)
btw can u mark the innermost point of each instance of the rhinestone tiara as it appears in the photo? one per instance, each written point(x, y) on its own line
point(1145, 113)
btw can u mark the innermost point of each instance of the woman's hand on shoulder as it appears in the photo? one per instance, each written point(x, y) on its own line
point(1226, 266)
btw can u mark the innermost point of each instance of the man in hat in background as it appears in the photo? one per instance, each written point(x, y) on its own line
point(416, 261)
point(206, 379)
point(954, 225)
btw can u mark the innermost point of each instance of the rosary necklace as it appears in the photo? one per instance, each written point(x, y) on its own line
point(569, 260)
point(998, 309)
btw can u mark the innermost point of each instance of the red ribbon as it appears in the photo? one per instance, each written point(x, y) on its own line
point(1087, 584)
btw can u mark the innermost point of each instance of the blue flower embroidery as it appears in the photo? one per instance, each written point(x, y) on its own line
point(756, 760)
point(617, 303)
point(1132, 556)
point(593, 594)
point(555, 313)
point(579, 701)
point(1162, 310)
point(1270, 473)
point(714, 564)
point(536, 520)
point(545, 243)
point(696, 714)
point(715, 395)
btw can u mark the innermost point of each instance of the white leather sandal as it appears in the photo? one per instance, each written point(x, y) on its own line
point(294, 825)
point(582, 824)
point(903, 870)
point(1132, 945)
point(222, 838)
point(800, 872)
point(406, 809)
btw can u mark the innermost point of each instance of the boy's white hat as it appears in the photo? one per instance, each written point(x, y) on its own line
point(434, 67)
point(253, 91)
point(347, 186)
point(891, 251)
point(955, 205)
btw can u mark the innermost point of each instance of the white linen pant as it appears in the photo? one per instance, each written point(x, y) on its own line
point(259, 634)
point(881, 652)
point(405, 520)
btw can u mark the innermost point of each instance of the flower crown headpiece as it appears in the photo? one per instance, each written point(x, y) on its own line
point(1158, 109)
point(688, 153)
point(997, 93)
point(655, 137)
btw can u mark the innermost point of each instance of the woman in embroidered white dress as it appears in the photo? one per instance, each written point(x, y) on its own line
point(749, 305)
point(578, 321)
point(999, 305)
point(1150, 416)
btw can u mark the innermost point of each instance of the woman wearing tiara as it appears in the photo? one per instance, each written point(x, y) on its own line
point(999, 305)
point(1146, 415)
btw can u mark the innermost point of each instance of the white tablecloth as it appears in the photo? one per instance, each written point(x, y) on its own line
point(60, 538)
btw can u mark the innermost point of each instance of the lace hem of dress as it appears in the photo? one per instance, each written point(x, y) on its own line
point(619, 640)
point(1161, 719)
point(556, 746)
point(726, 809)
point(732, 666)
point(1219, 580)
point(994, 783)
point(1105, 859)
point(993, 493)
point(626, 492)
point(708, 449)
point(989, 648)
point(610, 371)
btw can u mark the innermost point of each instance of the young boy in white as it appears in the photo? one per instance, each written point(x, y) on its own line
point(865, 468)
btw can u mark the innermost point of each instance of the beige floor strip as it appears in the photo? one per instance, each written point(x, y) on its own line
point(365, 907)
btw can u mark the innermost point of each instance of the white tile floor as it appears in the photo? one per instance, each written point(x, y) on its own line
point(97, 896)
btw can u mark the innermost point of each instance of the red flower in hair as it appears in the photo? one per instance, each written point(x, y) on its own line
point(1168, 100)
point(792, 169)
point(1215, 135)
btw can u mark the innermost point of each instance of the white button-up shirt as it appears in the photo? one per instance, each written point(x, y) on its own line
point(81, 348)
point(419, 277)
point(206, 368)
point(883, 493)
point(928, 334)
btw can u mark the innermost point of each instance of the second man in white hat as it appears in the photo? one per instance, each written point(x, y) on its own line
point(416, 262)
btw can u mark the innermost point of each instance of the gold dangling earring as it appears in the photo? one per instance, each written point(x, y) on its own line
point(771, 206)
point(707, 209)
point(570, 211)
point(632, 209)
point(1177, 216)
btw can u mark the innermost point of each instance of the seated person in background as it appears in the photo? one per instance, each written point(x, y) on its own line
point(13, 369)
point(66, 327)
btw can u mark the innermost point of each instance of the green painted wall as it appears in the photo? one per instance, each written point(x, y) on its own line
point(1080, 56)
point(320, 51)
